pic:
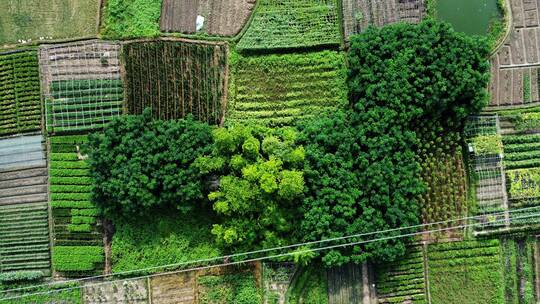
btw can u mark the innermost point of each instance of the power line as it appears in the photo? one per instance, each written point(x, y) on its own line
point(236, 255)
point(505, 220)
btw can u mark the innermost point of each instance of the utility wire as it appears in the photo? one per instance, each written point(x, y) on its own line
point(504, 220)
point(236, 255)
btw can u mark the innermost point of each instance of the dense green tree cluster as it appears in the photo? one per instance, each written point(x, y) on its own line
point(347, 172)
point(139, 164)
point(261, 182)
point(362, 171)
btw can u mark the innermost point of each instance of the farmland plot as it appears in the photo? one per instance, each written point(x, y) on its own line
point(488, 173)
point(345, 284)
point(515, 67)
point(78, 245)
point(359, 14)
point(221, 17)
point(403, 280)
point(176, 78)
point(276, 279)
point(518, 270)
point(175, 288)
point(20, 101)
point(118, 292)
point(443, 172)
point(82, 85)
point(24, 218)
point(56, 19)
point(466, 272)
point(279, 24)
point(277, 90)
point(24, 244)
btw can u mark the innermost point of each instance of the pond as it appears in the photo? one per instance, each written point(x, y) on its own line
point(469, 16)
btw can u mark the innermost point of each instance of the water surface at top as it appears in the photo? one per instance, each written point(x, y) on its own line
point(468, 16)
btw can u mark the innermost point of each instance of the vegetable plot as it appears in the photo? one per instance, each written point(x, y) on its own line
point(177, 78)
point(82, 85)
point(78, 246)
point(466, 272)
point(25, 237)
point(219, 17)
point(443, 172)
point(277, 90)
point(519, 269)
point(359, 14)
point(24, 218)
point(279, 24)
point(20, 102)
point(403, 280)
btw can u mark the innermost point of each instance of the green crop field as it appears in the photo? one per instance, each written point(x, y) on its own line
point(25, 238)
point(267, 152)
point(279, 24)
point(56, 19)
point(403, 279)
point(78, 245)
point(280, 89)
point(466, 272)
point(20, 103)
point(175, 79)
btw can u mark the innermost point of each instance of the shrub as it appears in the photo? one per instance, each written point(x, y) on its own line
point(139, 164)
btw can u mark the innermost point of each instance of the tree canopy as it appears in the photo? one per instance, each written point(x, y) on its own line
point(261, 184)
point(362, 170)
point(139, 164)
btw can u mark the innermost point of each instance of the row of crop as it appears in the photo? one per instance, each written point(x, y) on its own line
point(20, 103)
point(521, 151)
point(518, 268)
point(176, 79)
point(78, 247)
point(24, 244)
point(402, 280)
point(279, 89)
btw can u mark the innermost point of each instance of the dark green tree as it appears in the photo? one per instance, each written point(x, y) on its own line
point(362, 171)
point(413, 72)
point(139, 164)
